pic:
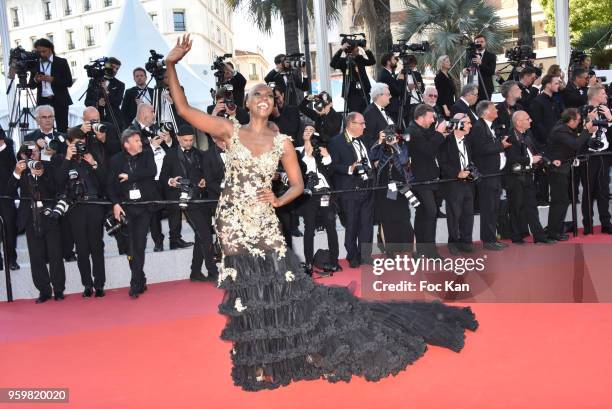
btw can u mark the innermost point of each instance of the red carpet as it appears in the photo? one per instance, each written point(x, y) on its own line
point(163, 351)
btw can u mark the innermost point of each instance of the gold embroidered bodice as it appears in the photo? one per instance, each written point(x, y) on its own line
point(243, 224)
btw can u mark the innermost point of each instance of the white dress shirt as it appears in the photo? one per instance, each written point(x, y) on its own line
point(311, 166)
point(502, 155)
point(45, 68)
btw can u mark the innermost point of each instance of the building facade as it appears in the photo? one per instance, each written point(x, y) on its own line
point(252, 65)
point(78, 27)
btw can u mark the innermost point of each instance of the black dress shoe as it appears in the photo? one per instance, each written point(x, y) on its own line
point(43, 298)
point(134, 292)
point(14, 266)
point(368, 261)
point(70, 258)
point(544, 240)
point(495, 246)
point(518, 241)
point(88, 292)
point(453, 249)
point(100, 292)
point(560, 237)
point(337, 267)
point(180, 244)
point(59, 295)
point(198, 277)
point(354, 263)
point(465, 247)
point(143, 288)
point(604, 230)
point(158, 248)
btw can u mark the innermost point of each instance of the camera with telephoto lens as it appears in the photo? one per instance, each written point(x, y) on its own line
point(317, 143)
point(22, 61)
point(470, 53)
point(100, 69)
point(402, 47)
point(406, 190)
point(185, 192)
point(219, 67)
point(34, 164)
point(353, 41)
point(98, 126)
point(310, 181)
point(319, 101)
point(520, 55)
point(227, 92)
point(474, 175)
point(292, 62)
point(112, 225)
point(61, 208)
point(81, 148)
point(390, 134)
point(156, 66)
point(26, 150)
point(455, 125)
point(363, 170)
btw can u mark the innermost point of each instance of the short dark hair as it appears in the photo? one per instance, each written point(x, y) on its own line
point(279, 58)
point(43, 42)
point(547, 79)
point(75, 133)
point(569, 114)
point(421, 110)
point(113, 60)
point(128, 133)
point(386, 57)
point(139, 69)
point(506, 86)
point(577, 71)
point(527, 71)
point(185, 130)
point(480, 36)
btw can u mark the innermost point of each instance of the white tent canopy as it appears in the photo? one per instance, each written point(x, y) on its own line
point(131, 46)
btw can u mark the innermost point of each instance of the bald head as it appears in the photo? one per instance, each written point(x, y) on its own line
point(91, 114)
point(521, 121)
point(145, 114)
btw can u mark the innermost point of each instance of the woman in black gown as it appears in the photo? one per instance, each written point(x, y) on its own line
point(283, 326)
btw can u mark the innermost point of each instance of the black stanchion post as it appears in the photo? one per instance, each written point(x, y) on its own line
point(7, 270)
point(574, 211)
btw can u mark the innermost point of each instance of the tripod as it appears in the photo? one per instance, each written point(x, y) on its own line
point(158, 105)
point(291, 90)
point(351, 66)
point(98, 89)
point(20, 116)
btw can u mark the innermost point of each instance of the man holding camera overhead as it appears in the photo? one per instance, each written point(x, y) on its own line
point(131, 179)
point(353, 169)
point(327, 121)
point(37, 187)
point(289, 77)
point(355, 81)
point(81, 177)
point(183, 178)
point(105, 92)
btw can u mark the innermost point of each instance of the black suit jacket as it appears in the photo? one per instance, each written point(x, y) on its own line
point(504, 114)
point(338, 62)
point(175, 164)
point(115, 91)
point(141, 176)
point(396, 87)
point(239, 83)
point(59, 136)
point(527, 95)
point(545, 112)
point(328, 125)
point(62, 80)
point(375, 122)
point(446, 90)
point(214, 173)
point(485, 148)
point(128, 106)
point(487, 70)
point(463, 108)
point(423, 150)
point(289, 123)
point(301, 84)
point(563, 144)
point(7, 167)
point(242, 115)
point(574, 97)
point(343, 156)
point(448, 157)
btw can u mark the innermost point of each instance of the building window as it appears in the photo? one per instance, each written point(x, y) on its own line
point(50, 37)
point(73, 67)
point(552, 42)
point(15, 16)
point(86, 5)
point(47, 9)
point(109, 26)
point(153, 16)
point(89, 36)
point(218, 36)
point(67, 9)
point(108, 3)
point(70, 39)
point(179, 20)
point(253, 73)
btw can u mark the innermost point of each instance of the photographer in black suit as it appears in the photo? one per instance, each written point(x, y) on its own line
point(238, 82)
point(136, 95)
point(564, 142)
point(214, 174)
point(489, 158)
point(51, 81)
point(81, 177)
point(131, 179)
point(109, 107)
point(511, 92)
point(423, 149)
point(316, 166)
point(286, 117)
point(45, 136)
point(527, 77)
point(233, 111)
point(353, 169)
point(466, 102)
point(485, 61)
point(283, 74)
point(522, 157)
point(355, 82)
point(8, 212)
point(37, 186)
point(102, 137)
point(395, 83)
point(183, 178)
point(375, 115)
point(455, 158)
point(327, 122)
point(575, 93)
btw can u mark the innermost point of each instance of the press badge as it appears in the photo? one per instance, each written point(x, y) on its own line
point(39, 204)
point(325, 201)
point(392, 191)
point(135, 194)
point(576, 162)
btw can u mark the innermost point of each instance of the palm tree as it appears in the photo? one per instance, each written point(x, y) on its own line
point(597, 41)
point(263, 13)
point(525, 29)
point(376, 15)
point(449, 25)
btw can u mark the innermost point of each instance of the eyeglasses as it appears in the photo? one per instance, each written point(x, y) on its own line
point(47, 116)
point(358, 123)
point(432, 95)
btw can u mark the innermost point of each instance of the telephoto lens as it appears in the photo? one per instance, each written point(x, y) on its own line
point(98, 127)
point(412, 199)
point(34, 164)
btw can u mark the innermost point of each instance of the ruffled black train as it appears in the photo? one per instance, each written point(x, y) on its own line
point(284, 327)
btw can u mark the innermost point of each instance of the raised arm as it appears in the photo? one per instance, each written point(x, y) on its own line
point(219, 128)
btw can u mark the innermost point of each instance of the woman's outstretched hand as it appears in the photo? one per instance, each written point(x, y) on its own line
point(182, 47)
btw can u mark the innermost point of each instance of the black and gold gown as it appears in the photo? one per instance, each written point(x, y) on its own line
point(283, 326)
